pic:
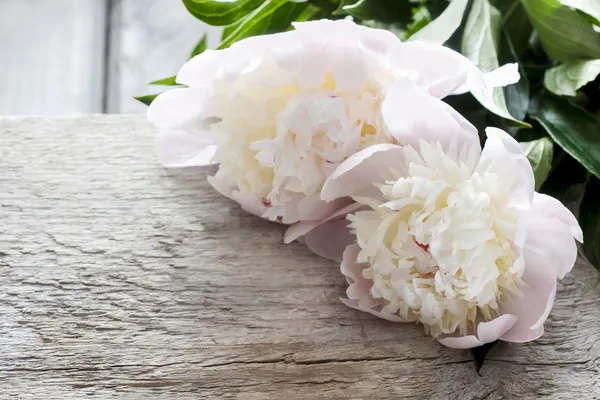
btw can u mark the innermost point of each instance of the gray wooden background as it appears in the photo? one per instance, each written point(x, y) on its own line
point(90, 56)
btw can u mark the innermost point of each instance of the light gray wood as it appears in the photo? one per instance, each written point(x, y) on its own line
point(52, 56)
point(150, 40)
point(120, 279)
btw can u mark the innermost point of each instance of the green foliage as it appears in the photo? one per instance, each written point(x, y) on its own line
point(539, 153)
point(573, 128)
point(564, 33)
point(568, 77)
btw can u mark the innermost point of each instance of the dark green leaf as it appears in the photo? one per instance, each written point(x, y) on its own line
point(170, 81)
point(386, 11)
point(272, 16)
point(589, 219)
point(517, 95)
point(565, 34)
point(219, 12)
point(572, 128)
point(515, 23)
point(146, 99)
point(566, 173)
point(200, 47)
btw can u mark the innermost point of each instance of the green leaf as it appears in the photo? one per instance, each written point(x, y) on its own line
point(384, 11)
point(170, 81)
point(539, 153)
point(272, 16)
point(565, 79)
point(440, 29)
point(515, 23)
point(517, 95)
point(588, 7)
point(480, 42)
point(589, 220)
point(572, 128)
point(565, 34)
point(200, 47)
point(146, 99)
point(221, 12)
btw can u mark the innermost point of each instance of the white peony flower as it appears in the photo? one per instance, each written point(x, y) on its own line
point(280, 112)
point(452, 236)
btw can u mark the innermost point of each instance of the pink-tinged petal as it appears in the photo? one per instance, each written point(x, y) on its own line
point(312, 208)
point(177, 148)
point(503, 156)
point(329, 240)
point(200, 71)
point(460, 342)
point(490, 331)
point(441, 70)
point(359, 289)
point(302, 228)
point(549, 240)
point(359, 173)
point(487, 332)
point(550, 208)
point(179, 108)
point(534, 306)
point(250, 203)
point(410, 114)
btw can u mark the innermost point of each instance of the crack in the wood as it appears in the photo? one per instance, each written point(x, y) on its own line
point(72, 246)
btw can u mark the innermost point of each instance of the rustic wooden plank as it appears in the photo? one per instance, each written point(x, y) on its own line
point(150, 40)
point(120, 279)
point(52, 56)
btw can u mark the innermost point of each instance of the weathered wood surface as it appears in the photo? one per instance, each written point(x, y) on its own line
point(120, 279)
point(52, 56)
point(149, 40)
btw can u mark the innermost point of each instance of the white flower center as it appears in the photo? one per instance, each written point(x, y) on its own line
point(444, 245)
point(282, 142)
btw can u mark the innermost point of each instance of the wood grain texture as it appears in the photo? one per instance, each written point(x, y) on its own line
point(150, 40)
point(120, 279)
point(52, 56)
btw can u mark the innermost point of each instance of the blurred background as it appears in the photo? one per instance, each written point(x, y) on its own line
point(90, 56)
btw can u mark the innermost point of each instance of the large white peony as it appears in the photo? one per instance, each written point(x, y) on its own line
point(450, 235)
point(280, 112)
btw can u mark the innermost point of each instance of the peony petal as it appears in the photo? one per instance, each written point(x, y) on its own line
point(200, 71)
point(359, 173)
point(550, 208)
point(177, 148)
point(179, 108)
point(487, 332)
point(503, 76)
point(302, 228)
point(460, 342)
point(312, 208)
point(441, 70)
point(534, 306)
point(329, 239)
point(358, 291)
point(411, 115)
point(503, 156)
point(250, 203)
